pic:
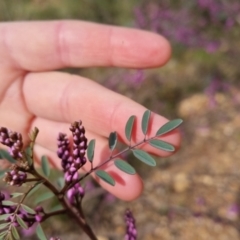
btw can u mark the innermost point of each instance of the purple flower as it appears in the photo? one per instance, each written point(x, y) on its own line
point(29, 219)
point(13, 140)
point(190, 25)
point(15, 177)
point(73, 160)
point(233, 211)
point(63, 151)
point(131, 231)
point(75, 192)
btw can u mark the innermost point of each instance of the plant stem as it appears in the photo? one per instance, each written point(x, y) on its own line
point(58, 212)
point(74, 213)
point(66, 187)
point(17, 208)
point(69, 209)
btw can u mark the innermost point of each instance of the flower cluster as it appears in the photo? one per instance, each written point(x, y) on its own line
point(75, 192)
point(15, 177)
point(131, 231)
point(13, 140)
point(28, 218)
point(71, 163)
point(54, 238)
point(63, 151)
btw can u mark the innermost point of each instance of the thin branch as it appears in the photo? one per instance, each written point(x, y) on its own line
point(17, 208)
point(67, 186)
point(55, 213)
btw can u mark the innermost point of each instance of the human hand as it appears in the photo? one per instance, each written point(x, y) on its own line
point(33, 94)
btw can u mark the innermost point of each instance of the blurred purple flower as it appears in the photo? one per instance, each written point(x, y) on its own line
point(189, 24)
point(109, 198)
point(30, 231)
point(215, 86)
point(211, 46)
point(131, 231)
point(201, 201)
point(233, 211)
point(135, 78)
point(13, 140)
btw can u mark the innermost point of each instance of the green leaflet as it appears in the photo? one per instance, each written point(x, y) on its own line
point(15, 232)
point(90, 150)
point(61, 182)
point(144, 157)
point(162, 145)
point(4, 225)
point(45, 166)
point(2, 173)
point(169, 126)
point(124, 166)
point(8, 203)
point(5, 155)
point(129, 127)
point(145, 121)
point(112, 140)
point(41, 235)
point(21, 222)
point(43, 197)
point(16, 194)
point(105, 177)
point(5, 216)
point(28, 153)
point(36, 187)
point(28, 209)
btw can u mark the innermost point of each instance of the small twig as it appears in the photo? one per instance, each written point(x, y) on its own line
point(33, 180)
point(55, 213)
point(17, 208)
point(67, 186)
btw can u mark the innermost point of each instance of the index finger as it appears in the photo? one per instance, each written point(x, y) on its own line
point(49, 45)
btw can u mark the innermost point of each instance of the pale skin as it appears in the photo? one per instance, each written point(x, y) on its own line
point(34, 94)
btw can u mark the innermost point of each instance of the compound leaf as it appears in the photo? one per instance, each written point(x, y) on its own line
point(144, 157)
point(105, 177)
point(124, 166)
point(169, 126)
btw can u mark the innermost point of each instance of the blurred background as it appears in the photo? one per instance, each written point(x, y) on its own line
point(194, 194)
